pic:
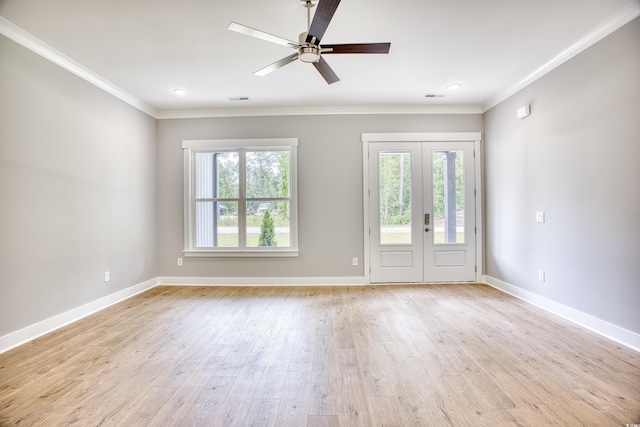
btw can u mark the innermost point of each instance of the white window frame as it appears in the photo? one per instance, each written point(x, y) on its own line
point(190, 148)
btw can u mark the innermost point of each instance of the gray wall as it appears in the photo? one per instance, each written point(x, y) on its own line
point(329, 184)
point(77, 191)
point(80, 170)
point(577, 158)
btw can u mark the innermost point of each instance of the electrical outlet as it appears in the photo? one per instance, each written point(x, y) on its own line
point(539, 216)
point(541, 275)
point(179, 262)
point(354, 261)
point(107, 276)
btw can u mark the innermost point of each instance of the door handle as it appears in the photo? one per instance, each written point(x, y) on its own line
point(427, 229)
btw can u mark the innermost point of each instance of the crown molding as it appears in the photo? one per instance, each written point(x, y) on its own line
point(23, 38)
point(317, 111)
point(616, 21)
point(18, 35)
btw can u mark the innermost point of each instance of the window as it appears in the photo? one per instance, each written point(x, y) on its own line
point(241, 197)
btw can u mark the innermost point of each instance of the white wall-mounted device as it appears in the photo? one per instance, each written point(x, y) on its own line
point(524, 111)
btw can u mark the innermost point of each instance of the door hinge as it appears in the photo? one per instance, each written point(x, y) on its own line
point(475, 230)
point(475, 268)
point(474, 192)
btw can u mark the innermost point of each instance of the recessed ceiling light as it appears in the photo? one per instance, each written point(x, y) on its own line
point(179, 91)
point(454, 86)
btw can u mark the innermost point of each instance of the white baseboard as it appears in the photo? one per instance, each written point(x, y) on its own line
point(31, 332)
point(7, 342)
point(262, 281)
point(620, 335)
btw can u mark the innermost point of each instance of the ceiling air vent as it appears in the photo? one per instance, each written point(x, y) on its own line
point(433, 95)
point(238, 98)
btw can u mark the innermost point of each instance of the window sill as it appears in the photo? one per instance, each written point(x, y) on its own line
point(284, 253)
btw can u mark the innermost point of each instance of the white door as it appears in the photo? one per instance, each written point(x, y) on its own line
point(449, 206)
point(395, 183)
point(422, 212)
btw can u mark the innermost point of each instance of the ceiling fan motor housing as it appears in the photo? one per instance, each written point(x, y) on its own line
point(308, 52)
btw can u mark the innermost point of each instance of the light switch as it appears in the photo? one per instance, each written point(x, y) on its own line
point(539, 216)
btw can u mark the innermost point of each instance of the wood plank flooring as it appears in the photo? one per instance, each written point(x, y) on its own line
point(429, 355)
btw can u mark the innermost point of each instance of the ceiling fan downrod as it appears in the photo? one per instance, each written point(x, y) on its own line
point(308, 52)
point(308, 4)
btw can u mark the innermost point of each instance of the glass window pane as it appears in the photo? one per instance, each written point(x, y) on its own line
point(216, 224)
point(267, 174)
point(395, 198)
point(217, 175)
point(448, 197)
point(228, 176)
point(268, 223)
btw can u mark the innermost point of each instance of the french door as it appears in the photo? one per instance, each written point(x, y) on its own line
point(422, 212)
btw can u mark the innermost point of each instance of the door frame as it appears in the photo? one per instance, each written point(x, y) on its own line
point(475, 137)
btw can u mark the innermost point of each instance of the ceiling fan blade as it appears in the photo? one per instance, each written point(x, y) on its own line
point(321, 18)
point(278, 64)
point(323, 68)
point(357, 48)
point(243, 29)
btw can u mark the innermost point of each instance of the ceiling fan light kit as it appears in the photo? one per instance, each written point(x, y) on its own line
point(308, 47)
point(309, 54)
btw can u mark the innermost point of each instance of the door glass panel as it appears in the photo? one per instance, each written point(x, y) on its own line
point(394, 170)
point(448, 197)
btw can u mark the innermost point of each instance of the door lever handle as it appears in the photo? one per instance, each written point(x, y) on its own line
point(427, 229)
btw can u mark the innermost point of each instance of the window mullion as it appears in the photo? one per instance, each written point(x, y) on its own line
point(276, 199)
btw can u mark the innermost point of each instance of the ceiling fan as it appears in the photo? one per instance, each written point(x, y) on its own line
point(308, 48)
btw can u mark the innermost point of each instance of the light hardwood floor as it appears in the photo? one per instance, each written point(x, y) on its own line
point(443, 355)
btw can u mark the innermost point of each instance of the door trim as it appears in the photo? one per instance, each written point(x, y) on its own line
point(476, 137)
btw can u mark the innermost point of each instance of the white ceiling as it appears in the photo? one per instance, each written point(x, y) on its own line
point(145, 48)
